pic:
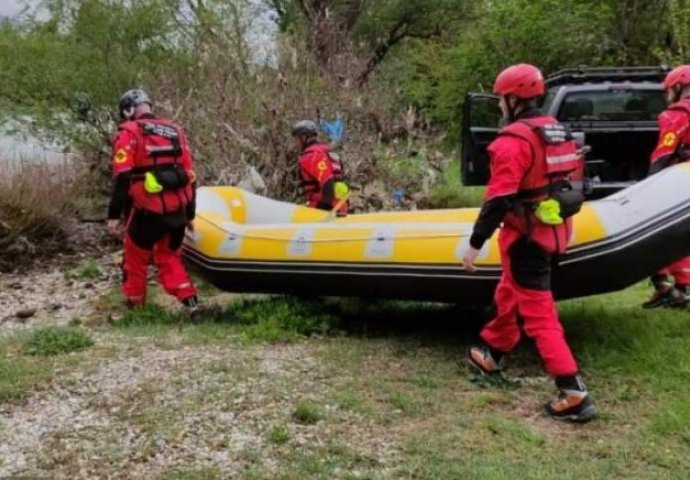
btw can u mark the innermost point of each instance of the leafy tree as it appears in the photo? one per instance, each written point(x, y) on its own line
point(437, 76)
point(676, 49)
point(343, 34)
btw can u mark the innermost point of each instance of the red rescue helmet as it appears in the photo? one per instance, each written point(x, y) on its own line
point(522, 80)
point(679, 76)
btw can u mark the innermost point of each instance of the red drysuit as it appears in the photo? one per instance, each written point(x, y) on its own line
point(674, 142)
point(519, 176)
point(155, 221)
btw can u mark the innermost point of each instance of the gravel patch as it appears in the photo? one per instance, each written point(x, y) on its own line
point(52, 297)
point(153, 411)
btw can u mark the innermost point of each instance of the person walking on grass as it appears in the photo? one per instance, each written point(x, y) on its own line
point(153, 201)
point(529, 192)
point(673, 148)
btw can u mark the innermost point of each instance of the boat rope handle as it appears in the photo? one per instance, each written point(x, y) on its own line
point(331, 240)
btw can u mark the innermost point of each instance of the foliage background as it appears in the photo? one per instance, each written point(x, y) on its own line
point(397, 70)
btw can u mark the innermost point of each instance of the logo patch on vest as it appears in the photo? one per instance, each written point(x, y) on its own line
point(121, 156)
point(669, 140)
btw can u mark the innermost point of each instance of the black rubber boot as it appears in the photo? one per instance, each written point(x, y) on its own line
point(195, 314)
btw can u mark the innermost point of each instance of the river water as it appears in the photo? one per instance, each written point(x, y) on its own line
point(16, 150)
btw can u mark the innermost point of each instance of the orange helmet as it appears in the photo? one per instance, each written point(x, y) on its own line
point(678, 76)
point(523, 81)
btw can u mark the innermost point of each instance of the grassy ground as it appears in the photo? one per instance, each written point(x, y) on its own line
point(446, 193)
point(293, 390)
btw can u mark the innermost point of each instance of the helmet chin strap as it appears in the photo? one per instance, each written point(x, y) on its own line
point(127, 113)
point(678, 93)
point(675, 94)
point(683, 92)
point(512, 110)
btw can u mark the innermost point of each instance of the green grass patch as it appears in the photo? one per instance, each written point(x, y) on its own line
point(673, 421)
point(279, 435)
point(352, 402)
point(307, 413)
point(203, 473)
point(271, 320)
point(405, 402)
point(334, 460)
point(88, 271)
point(426, 381)
point(29, 360)
point(620, 342)
point(150, 314)
point(283, 319)
point(451, 193)
point(19, 373)
point(55, 340)
point(636, 363)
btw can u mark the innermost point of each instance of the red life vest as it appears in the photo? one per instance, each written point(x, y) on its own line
point(310, 185)
point(555, 163)
point(554, 153)
point(158, 151)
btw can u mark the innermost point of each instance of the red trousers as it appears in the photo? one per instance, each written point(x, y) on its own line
point(679, 270)
point(149, 239)
point(530, 297)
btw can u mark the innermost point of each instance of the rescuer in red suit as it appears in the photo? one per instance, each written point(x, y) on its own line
point(673, 147)
point(532, 161)
point(153, 200)
point(321, 175)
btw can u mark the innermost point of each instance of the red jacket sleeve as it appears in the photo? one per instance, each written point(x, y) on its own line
point(511, 158)
point(673, 127)
point(316, 166)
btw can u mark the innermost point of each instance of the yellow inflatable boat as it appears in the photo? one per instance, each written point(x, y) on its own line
point(246, 243)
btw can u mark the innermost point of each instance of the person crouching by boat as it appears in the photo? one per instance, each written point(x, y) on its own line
point(155, 194)
point(673, 148)
point(321, 174)
point(529, 192)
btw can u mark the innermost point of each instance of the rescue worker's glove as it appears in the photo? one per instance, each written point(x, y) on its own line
point(115, 227)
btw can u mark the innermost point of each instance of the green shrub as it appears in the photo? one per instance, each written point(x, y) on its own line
point(279, 435)
point(307, 413)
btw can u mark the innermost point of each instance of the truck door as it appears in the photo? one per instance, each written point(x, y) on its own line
point(480, 124)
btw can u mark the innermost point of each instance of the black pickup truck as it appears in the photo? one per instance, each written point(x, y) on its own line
point(612, 110)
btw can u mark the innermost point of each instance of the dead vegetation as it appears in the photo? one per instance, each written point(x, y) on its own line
point(35, 202)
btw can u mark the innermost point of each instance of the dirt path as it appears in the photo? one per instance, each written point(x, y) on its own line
point(63, 293)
